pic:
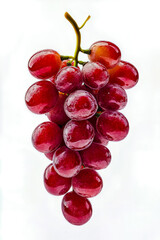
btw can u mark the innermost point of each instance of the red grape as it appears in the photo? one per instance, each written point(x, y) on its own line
point(49, 155)
point(106, 53)
point(112, 97)
point(67, 162)
point(96, 156)
point(57, 114)
point(87, 183)
point(76, 209)
point(68, 79)
point(44, 64)
point(46, 137)
point(90, 90)
point(64, 64)
point(95, 75)
point(112, 125)
point(98, 137)
point(78, 135)
point(124, 74)
point(41, 97)
point(54, 183)
point(80, 105)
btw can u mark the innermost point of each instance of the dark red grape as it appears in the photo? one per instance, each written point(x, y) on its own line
point(54, 183)
point(98, 138)
point(112, 97)
point(49, 155)
point(106, 53)
point(46, 137)
point(41, 97)
point(87, 183)
point(67, 162)
point(76, 209)
point(80, 105)
point(64, 64)
point(57, 114)
point(124, 74)
point(44, 64)
point(78, 135)
point(112, 125)
point(68, 79)
point(95, 75)
point(96, 156)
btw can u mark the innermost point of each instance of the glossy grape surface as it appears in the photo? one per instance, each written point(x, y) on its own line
point(78, 135)
point(57, 114)
point(113, 125)
point(63, 64)
point(68, 79)
point(95, 75)
point(49, 155)
point(98, 138)
point(96, 156)
point(54, 183)
point(76, 209)
point(105, 52)
point(87, 183)
point(67, 162)
point(46, 137)
point(41, 97)
point(112, 97)
point(124, 74)
point(44, 64)
point(80, 105)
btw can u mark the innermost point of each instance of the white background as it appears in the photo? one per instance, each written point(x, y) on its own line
point(129, 205)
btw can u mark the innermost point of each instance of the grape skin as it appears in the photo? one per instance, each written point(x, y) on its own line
point(78, 135)
point(80, 105)
point(67, 162)
point(54, 183)
point(95, 75)
point(112, 97)
point(87, 183)
point(112, 125)
point(44, 64)
point(76, 209)
point(41, 97)
point(46, 137)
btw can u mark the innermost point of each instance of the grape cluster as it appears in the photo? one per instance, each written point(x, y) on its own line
point(82, 104)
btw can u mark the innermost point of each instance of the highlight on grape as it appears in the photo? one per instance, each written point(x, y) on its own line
point(81, 101)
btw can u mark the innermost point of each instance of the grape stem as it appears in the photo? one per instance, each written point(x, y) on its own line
point(98, 113)
point(78, 40)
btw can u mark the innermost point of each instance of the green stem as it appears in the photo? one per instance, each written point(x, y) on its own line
point(85, 22)
point(66, 57)
point(78, 36)
point(98, 113)
point(78, 39)
point(87, 51)
point(82, 63)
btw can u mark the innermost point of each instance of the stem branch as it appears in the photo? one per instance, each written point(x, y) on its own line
point(78, 36)
point(78, 39)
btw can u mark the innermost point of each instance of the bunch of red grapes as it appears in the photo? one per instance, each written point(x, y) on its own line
point(82, 104)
